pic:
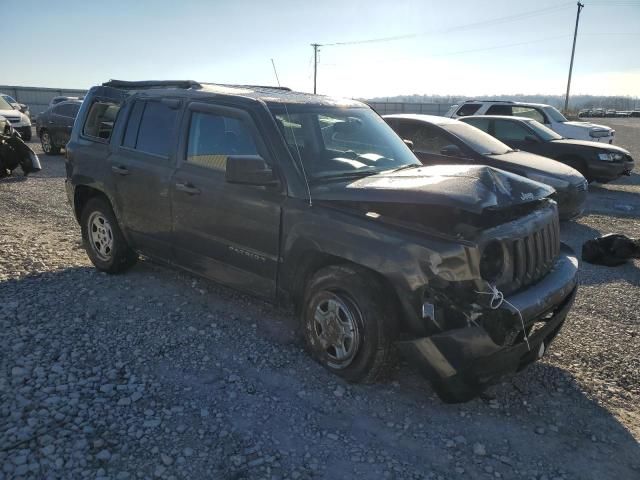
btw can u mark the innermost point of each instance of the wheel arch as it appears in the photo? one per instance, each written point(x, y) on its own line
point(309, 262)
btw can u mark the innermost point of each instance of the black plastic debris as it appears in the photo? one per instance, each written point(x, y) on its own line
point(14, 152)
point(610, 250)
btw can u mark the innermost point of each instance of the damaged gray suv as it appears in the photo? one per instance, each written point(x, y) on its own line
point(315, 202)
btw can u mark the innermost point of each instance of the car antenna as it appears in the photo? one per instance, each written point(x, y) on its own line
point(295, 142)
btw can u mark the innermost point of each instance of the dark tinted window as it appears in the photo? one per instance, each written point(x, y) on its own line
point(425, 138)
point(67, 110)
point(506, 131)
point(100, 119)
point(212, 138)
point(150, 128)
point(500, 110)
point(479, 122)
point(131, 134)
point(468, 109)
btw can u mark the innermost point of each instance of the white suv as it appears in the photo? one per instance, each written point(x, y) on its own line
point(546, 114)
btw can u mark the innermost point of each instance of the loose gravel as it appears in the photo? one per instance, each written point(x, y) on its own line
point(160, 374)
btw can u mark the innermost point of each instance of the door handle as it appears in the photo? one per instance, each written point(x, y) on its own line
point(187, 188)
point(120, 170)
point(50, 121)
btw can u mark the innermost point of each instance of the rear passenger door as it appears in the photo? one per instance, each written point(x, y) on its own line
point(227, 232)
point(141, 167)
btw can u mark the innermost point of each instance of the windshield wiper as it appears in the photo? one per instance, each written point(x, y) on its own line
point(344, 175)
point(404, 167)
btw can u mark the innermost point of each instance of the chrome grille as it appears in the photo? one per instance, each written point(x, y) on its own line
point(534, 255)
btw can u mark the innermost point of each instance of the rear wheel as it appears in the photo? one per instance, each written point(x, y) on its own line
point(348, 324)
point(27, 135)
point(107, 248)
point(48, 147)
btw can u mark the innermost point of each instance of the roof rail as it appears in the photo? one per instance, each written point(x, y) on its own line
point(271, 87)
point(144, 84)
point(490, 101)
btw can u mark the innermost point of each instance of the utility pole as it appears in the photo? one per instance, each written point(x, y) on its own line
point(573, 51)
point(315, 46)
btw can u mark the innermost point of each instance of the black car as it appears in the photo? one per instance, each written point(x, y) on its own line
point(315, 202)
point(441, 140)
point(54, 125)
point(599, 162)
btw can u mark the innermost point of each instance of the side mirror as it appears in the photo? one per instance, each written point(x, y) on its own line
point(451, 151)
point(23, 108)
point(249, 170)
point(408, 143)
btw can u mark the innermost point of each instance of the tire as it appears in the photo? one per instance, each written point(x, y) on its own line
point(27, 136)
point(344, 306)
point(48, 147)
point(106, 247)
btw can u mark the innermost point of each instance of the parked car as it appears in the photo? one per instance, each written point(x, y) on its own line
point(17, 106)
point(440, 140)
point(314, 201)
point(63, 98)
point(594, 160)
point(19, 121)
point(545, 114)
point(54, 125)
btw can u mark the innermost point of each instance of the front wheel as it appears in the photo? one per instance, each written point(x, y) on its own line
point(106, 247)
point(348, 326)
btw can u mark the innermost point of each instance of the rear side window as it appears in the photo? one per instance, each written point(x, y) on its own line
point(67, 110)
point(150, 128)
point(212, 138)
point(468, 109)
point(500, 110)
point(100, 119)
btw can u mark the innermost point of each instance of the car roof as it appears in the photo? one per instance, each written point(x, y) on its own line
point(433, 119)
point(500, 117)
point(267, 94)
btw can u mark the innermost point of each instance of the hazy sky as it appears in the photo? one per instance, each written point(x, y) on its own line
point(464, 47)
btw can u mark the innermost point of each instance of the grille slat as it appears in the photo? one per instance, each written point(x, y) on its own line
point(534, 254)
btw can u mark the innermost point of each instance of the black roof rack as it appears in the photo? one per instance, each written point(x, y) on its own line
point(144, 84)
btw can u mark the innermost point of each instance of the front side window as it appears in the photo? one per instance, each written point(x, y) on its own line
point(335, 142)
point(555, 114)
point(508, 131)
point(100, 119)
point(476, 139)
point(425, 138)
point(4, 105)
point(212, 138)
point(150, 127)
point(544, 132)
point(529, 112)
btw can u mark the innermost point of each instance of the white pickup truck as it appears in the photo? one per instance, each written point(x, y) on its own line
point(546, 114)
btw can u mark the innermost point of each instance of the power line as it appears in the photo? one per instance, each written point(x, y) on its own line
point(494, 21)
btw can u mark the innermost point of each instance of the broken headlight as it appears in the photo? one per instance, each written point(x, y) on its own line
point(492, 261)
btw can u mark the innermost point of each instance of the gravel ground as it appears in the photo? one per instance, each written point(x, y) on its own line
point(160, 374)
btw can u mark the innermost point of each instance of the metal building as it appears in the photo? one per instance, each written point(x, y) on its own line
point(38, 98)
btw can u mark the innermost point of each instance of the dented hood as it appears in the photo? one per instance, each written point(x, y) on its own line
point(473, 188)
